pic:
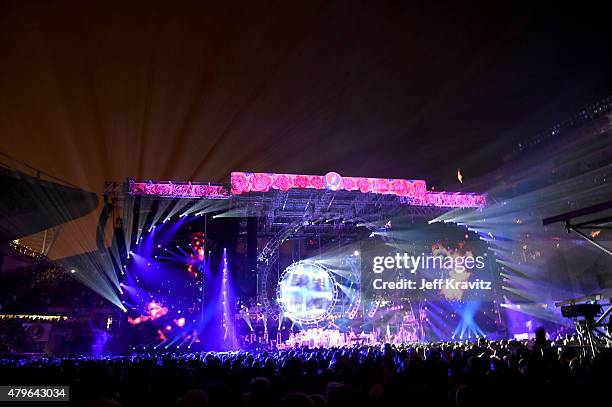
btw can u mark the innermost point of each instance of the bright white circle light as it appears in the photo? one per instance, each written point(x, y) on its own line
point(306, 292)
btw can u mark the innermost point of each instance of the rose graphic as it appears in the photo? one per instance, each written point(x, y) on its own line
point(316, 181)
point(419, 187)
point(261, 182)
point(164, 189)
point(138, 188)
point(300, 181)
point(283, 182)
point(381, 186)
point(199, 190)
point(182, 190)
point(239, 183)
point(480, 200)
point(364, 185)
point(398, 187)
point(349, 184)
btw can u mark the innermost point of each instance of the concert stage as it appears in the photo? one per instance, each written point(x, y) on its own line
point(267, 258)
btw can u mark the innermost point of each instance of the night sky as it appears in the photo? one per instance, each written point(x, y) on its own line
point(94, 91)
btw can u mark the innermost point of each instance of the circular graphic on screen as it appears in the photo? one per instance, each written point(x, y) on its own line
point(306, 292)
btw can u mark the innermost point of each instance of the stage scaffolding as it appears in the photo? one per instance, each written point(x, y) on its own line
point(294, 214)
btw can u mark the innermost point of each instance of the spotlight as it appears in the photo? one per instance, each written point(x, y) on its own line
point(356, 253)
point(72, 271)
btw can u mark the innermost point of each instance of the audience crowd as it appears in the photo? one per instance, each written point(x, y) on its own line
point(505, 372)
point(36, 289)
point(14, 338)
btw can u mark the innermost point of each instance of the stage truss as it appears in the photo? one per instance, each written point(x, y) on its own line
point(290, 207)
